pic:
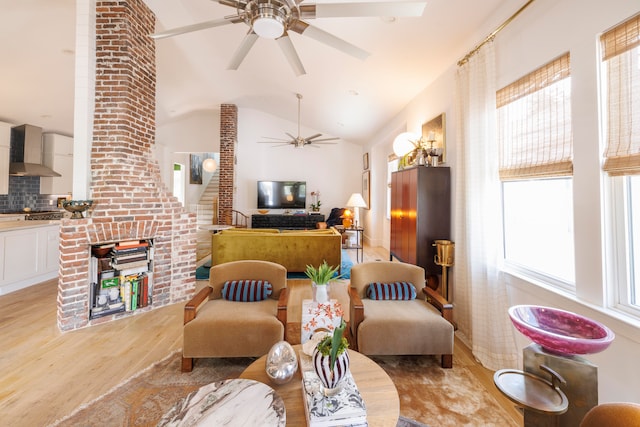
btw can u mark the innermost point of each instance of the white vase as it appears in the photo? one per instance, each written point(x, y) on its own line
point(321, 293)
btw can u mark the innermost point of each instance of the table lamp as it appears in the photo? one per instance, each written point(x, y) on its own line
point(356, 201)
point(347, 219)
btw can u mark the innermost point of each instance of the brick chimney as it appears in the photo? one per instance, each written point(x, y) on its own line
point(130, 202)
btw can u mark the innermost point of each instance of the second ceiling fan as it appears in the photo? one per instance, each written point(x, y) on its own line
point(299, 141)
point(273, 19)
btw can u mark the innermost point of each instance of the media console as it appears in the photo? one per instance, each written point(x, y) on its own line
point(287, 222)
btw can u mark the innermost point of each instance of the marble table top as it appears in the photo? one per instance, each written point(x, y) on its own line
point(236, 402)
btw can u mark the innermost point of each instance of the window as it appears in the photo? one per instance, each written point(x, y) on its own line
point(536, 167)
point(620, 82)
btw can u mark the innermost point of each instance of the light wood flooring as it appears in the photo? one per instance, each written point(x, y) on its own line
point(46, 374)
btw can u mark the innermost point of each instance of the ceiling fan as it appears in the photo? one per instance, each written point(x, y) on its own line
point(298, 141)
point(273, 19)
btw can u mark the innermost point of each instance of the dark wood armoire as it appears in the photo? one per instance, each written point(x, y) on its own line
point(420, 214)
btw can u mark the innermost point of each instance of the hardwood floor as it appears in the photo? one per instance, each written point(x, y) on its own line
point(46, 374)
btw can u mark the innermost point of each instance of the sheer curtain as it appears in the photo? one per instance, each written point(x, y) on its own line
point(480, 290)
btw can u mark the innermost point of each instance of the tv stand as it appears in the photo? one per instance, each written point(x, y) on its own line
point(286, 222)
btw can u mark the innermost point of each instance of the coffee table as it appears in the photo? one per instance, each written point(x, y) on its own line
point(378, 391)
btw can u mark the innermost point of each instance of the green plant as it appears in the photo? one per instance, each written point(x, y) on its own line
point(316, 206)
point(323, 274)
point(333, 345)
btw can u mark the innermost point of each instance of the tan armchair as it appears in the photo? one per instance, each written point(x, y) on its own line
point(215, 327)
point(419, 326)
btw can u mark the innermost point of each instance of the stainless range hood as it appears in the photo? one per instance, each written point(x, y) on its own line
point(26, 152)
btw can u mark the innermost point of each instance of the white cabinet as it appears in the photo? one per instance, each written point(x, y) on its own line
point(28, 255)
point(5, 144)
point(57, 153)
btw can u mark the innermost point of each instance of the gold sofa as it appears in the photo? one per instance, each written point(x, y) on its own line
point(215, 327)
point(293, 249)
point(395, 327)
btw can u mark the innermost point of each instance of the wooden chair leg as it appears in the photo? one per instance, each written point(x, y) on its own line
point(187, 364)
point(447, 361)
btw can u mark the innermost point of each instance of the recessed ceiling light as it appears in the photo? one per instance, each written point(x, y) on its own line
point(353, 92)
point(388, 19)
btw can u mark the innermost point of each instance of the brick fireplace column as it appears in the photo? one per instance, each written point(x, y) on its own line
point(130, 202)
point(228, 138)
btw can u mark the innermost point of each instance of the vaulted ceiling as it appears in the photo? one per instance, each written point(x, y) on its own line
point(343, 96)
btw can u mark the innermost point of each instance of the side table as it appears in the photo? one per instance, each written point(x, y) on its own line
point(217, 404)
point(316, 316)
point(359, 247)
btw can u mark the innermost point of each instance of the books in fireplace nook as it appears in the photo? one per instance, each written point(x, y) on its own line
point(346, 408)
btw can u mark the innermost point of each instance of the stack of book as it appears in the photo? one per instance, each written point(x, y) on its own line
point(122, 279)
point(345, 408)
point(130, 257)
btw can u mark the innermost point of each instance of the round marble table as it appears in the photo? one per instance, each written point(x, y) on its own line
point(235, 403)
point(378, 391)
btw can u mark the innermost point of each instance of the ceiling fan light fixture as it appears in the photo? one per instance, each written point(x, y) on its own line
point(268, 21)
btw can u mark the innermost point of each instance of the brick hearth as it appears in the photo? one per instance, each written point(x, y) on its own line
point(129, 199)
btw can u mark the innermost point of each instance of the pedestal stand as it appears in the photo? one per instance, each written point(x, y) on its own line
point(581, 388)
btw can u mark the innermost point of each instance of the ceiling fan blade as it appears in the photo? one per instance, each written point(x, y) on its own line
point(197, 27)
point(325, 139)
point(242, 51)
point(329, 39)
point(313, 136)
point(291, 136)
point(290, 53)
point(275, 139)
point(352, 10)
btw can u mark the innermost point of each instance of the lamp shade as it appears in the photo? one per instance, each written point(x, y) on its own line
point(357, 201)
point(404, 143)
point(209, 165)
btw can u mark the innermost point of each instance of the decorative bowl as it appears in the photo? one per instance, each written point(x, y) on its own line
point(263, 211)
point(559, 331)
point(100, 252)
point(76, 207)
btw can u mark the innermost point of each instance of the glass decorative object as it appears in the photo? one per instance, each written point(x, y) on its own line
point(559, 331)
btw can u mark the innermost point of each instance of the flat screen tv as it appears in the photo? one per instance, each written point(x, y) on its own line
point(282, 194)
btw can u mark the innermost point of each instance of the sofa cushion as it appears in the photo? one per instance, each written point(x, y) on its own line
point(391, 291)
point(246, 290)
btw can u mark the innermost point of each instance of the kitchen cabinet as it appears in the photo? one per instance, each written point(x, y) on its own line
point(29, 254)
point(57, 153)
point(5, 150)
point(420, 214)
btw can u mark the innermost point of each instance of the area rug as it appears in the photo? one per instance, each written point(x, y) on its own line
point(429, 395)
point(202, 272)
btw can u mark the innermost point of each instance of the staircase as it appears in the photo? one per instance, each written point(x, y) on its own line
point(206, 215)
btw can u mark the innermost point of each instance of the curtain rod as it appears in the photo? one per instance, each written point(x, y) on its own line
point(493, 34)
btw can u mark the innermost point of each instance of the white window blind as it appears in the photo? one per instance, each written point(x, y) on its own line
point(621, 57)
point(534, 124)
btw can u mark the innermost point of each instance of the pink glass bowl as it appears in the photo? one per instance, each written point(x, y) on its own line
point(559, 331)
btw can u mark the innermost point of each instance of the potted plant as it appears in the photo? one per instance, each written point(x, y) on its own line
point(320, 278)
point(315, 207)
point(331, 359)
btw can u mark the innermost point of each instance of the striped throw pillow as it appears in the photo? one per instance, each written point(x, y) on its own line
point(391, 291)
point(246, 290)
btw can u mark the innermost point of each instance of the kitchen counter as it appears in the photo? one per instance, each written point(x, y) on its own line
point(18, 225)
point(29, 253)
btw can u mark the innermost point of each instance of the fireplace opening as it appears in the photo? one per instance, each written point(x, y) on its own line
point(121, 277)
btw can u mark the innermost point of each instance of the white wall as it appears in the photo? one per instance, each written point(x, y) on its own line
point(333, 169)
point(545, 30)
point(195, 132)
